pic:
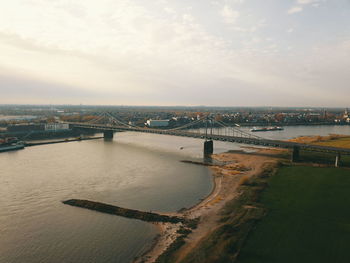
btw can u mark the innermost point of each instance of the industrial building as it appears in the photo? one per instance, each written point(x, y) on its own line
point(157, 123)
point(38, 127)
point(56, 126)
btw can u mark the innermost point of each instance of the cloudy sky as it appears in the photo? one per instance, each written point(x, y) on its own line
point(175, 52)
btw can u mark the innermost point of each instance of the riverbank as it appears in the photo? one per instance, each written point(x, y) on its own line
point(334, 140)
point(264, 124)
point(43, 142)
point(236, 169)
point(328, 159)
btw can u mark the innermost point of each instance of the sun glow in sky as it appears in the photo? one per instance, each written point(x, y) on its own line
point(175, 52)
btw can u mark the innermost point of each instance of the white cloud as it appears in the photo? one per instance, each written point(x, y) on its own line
point(229, 15)
point(166, 55)
point(295, 9)
point(169, 10)
point(238, 1)
point(306, 2)
point(300, 4)
point(188, 18)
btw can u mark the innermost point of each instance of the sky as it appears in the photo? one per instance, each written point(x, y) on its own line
point(175, 52)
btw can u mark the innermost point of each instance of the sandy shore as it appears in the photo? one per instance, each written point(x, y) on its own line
point(227, 178)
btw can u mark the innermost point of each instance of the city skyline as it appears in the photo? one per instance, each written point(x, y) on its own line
point(214, 53)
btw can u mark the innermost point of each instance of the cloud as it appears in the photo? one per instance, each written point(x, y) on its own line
point(229, 15)
point(306, 2)
point(295, 9)
point(16, 88)
point(169, 10)
point(300, 4)
point(135, 52)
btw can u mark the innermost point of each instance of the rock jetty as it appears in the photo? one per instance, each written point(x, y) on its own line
point(125, 212)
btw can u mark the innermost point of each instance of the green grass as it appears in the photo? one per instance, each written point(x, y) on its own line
point(308, 218)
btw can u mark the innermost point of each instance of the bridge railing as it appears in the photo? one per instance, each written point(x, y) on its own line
point(209, 125)
point(209, 130)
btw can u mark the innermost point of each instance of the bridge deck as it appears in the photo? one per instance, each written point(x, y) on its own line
point(216, 137)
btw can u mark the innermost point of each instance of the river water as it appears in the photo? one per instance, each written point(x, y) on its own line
point(140, 171)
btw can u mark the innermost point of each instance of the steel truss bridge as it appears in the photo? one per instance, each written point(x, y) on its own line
point(108, 124)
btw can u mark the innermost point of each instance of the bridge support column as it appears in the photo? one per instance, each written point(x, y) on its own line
point(108, 135)
point(337, 160)
point(295, 153)
point(208, 147)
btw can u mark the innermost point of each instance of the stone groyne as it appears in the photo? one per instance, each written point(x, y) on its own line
point(125, 212)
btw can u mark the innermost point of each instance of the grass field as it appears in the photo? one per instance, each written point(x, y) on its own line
point(335, 140)
point(339, 142)
point(308, 218)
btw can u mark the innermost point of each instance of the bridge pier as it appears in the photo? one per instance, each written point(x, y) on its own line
point(295, 154)
point(337, 160)
point(108, 135)
point(208, 147)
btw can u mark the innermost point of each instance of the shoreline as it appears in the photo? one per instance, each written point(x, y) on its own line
point(226, 180)
point(160, 242)
point(203, 200)
point(44, 142)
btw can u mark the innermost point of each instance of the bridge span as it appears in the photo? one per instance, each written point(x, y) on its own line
point(209, 137)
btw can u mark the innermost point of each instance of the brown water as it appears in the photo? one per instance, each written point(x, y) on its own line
point(36, 227)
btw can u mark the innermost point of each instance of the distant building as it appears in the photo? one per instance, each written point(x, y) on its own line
point(157, 123)
point(25, 127)
point(56, 126)
point(17, 118)
point(346, 116)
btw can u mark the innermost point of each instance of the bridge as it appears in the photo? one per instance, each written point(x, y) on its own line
point(112, 124)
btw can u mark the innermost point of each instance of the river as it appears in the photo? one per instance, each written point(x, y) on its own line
point(140, 171)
